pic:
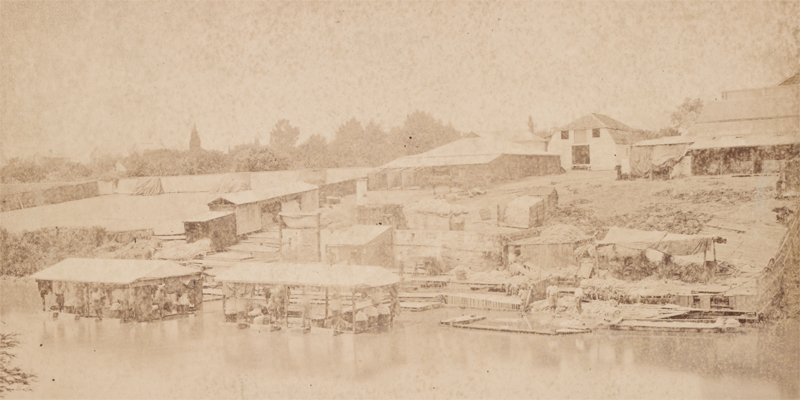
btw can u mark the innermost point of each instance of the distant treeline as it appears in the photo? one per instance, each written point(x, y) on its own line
point(354, 145)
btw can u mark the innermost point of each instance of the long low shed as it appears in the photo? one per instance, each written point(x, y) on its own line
point(256, 210)
point(467, 162)
point(127, 289)
point(242, 281)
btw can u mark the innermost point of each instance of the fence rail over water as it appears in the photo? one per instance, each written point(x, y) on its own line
point(769, 283)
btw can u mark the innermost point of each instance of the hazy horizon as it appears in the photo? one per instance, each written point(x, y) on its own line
point(80, 75)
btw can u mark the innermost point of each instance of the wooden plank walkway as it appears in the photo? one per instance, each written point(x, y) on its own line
point(464, 319)
point(668, 326)
point(565, 331)
point(415, 306)
point(483, 301)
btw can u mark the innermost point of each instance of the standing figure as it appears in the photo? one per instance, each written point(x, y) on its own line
point(272, 309)
point(552, 298)
point(45, 287)
point(287, 300)
point(579, 300)
point(80, 300)
point(336, 311)
point(183, 302)
point(97, 302)
point(305, 307)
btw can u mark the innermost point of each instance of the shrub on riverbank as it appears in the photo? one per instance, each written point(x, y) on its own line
point(30, 251)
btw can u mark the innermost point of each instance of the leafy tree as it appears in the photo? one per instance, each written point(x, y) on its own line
point(205, 162)
point(421, 132)
point(313, 153)
point(686, 114)
point(378, 147)
point(194, 140)
point(19, 170)
point(348, 143)
point(263, 159)
point(283, 137)
point(11, 378)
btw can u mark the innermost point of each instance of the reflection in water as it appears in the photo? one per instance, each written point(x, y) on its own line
point(200, 357)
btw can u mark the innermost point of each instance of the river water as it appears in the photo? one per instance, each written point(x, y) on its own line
point(200, 357)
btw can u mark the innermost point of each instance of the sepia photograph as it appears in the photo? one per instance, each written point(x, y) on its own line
point(208, 199)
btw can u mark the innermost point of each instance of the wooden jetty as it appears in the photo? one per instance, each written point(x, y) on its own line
point(483, 301)
point(472, 322)
point(416, 306)
point(464, 319)
point(670, 325)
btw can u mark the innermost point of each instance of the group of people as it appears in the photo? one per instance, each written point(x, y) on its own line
point(552, 294)
point(274, 309)
point(246, 305)
point(141, 303)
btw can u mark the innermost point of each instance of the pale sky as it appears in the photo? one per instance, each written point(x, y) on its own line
point(76, 75)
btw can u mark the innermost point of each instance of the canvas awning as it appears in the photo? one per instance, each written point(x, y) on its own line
point(148, 186)
point(658, 153)
point(121, 272)
point(313, 274)
point(669, 243)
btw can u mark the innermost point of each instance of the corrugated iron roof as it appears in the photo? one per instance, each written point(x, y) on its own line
point(420, 162)
point(751, 108)
point(625, 137)
point(667, 140)
point(122, 272)
point(510, 136)
point(311, 274)
point(595, 121)
point(719, 142)
point(357, 235)
point(467, 151)
point(252, 196)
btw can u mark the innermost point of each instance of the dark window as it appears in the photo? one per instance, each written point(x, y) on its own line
point(595, 132)
point(564, 135)
point(580, 155)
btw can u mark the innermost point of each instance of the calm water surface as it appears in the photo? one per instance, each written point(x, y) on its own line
point(199, 357)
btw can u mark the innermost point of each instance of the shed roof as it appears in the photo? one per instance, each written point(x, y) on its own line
point(754, 243)
point(666, 140)
point(122, 272)
point(511, 136)
point(540, 190)
point(472, 150)
point(208, 216)
point(670, 243)
point(312, 274)
point(728, 141)
point(792, 80)
point(358, 235)
point(595, 121)
point(750, 108)
point(253, 196)
point(626, 137)
point(421, 162)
